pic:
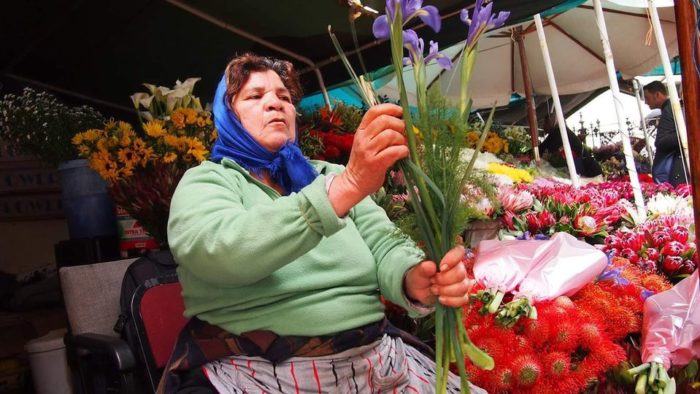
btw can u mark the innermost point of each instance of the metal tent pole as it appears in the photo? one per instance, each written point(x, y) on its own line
point(557, 104)
point(619, 111)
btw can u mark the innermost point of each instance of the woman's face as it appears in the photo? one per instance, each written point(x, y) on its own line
point(265, 109)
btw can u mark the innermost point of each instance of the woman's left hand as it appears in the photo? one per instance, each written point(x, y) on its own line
point(450, 286)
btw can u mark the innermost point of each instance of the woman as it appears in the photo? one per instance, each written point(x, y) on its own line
point(282, 260)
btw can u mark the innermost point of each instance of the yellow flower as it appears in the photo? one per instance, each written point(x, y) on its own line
point(92, 134)
point(516, 174)
point(214, 135)
point(77, 139)
point(127, 135)
point(190, 115)
point(102, 144)
point(169, 157)
point(201, 122)
point(472, 138)
point(83, 150)
point(154, 129)
point(124, 127)
point(178, 119)
point(128, 157)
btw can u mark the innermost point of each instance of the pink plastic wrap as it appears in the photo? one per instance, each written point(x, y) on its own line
point(671, 329)
point(568, 265)
point(502, 265)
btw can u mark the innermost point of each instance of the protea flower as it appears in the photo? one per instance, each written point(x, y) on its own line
point(515, 200)
point(586, 225)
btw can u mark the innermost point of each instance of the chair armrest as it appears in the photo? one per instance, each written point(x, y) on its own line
point(116, 349)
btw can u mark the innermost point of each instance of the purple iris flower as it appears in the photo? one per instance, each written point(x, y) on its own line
point(441, 59)
point(613, 275)
point(409, 10)
point(416, 46)
point(482, 20)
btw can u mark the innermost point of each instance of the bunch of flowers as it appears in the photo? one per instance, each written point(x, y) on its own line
point(662, 245)
point(518, 139)
point(516, 175)
point(37, 123)
point(493, 144)
point(143, 167)
point(562, 351)
point(329, 134)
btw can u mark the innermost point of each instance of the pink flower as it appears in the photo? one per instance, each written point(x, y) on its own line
point(515, 201)
point(508, 220)
point(630, 255)
point(397, 177)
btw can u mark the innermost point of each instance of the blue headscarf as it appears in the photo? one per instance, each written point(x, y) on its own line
point(288, 167)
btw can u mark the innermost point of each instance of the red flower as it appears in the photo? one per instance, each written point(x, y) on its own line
point(653, 254)
point(673, 248)
point(660, 238)
point(508, 220)
point(527, 371)
point(635, 241)
point(680, 234)
point(533, 222)
point(630, 255)
point(556, 364)
point(546, 219)
point(672, 263)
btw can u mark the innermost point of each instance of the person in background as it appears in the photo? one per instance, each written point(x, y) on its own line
point(584, 162)
point(668, 160)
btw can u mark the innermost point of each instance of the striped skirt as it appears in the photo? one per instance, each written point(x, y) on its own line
point(386, 366)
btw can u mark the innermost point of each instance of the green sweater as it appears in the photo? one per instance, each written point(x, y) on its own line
point(251, 259)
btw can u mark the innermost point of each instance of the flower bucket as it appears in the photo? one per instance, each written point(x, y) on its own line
point(480, 230)
point(88, 208)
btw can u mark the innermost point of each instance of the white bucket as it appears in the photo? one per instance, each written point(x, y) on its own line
point(47, 358)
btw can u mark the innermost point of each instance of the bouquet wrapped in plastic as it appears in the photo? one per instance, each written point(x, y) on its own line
point(670, 334)
point(533, 271)
point(501, 266)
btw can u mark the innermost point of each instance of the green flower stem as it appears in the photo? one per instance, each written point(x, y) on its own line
point(457, 343)
point(478, 357)
point(482, 139)
point(641, 386)
point(465, 76)
point(396, 37)
point(639, 369)
point(496, 302)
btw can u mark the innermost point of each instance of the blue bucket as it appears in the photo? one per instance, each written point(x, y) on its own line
point(87, 205)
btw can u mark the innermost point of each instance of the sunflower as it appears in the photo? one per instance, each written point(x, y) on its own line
point(178, 119)
point(128, 157)
point(154, 129)
point(169, 157)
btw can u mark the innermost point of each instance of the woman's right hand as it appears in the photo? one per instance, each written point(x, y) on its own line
point(379, 142)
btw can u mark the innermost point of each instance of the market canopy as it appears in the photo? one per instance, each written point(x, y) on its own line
point(576, 52)
point(101, 52)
